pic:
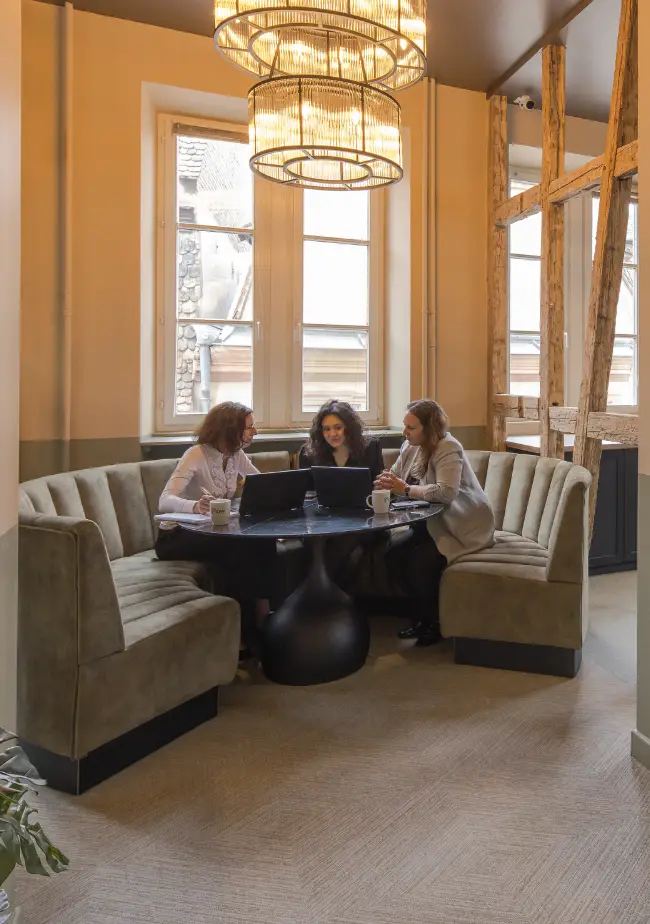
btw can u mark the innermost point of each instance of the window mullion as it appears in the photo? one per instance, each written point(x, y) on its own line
point(220, 229)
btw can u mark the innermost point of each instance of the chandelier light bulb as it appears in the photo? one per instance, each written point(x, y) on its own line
point(320, 133)
point(378, 42)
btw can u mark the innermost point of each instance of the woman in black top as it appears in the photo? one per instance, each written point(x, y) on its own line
point(337, 438)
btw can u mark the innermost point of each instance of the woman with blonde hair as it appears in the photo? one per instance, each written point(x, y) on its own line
point(432, 466)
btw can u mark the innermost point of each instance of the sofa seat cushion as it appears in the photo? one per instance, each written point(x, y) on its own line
point(164, 589)
point(175, 653)
point(137, 561)
point(502, 594)
point(510, 556)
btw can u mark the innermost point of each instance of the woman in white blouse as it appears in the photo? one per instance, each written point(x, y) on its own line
point(432, 466)
point(213, 468)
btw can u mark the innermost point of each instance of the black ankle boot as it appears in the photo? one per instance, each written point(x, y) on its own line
point(410, 631)
point(428, 634)
point(425, 633)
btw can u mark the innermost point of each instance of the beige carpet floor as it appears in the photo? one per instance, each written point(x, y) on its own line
point(415, 792)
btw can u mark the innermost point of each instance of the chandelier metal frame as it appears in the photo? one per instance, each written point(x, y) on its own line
point(361, 167)
point(237, 37)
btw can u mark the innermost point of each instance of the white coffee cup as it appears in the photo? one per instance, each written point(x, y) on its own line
point(220, 511)
point(379, 501)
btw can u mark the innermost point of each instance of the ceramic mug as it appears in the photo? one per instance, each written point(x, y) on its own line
point(220, 511)
point(379, 501)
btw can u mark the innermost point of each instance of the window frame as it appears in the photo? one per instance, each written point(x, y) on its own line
point(277, 293)
point(375, 326)
point(531, 176)
point(577, 284)
point(634, 200)
point(167, 224)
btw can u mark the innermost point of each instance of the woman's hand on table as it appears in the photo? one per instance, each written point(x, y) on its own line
point(203, 504)
point(388, 481)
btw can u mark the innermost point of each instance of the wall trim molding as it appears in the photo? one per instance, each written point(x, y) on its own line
point(640, 748)
point(39, 458)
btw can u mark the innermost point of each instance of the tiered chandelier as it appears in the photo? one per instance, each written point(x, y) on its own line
point(322, 118)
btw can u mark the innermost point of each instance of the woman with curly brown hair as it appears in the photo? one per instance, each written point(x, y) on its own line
point(432, 466)
point(213, 468)
point(337, 438)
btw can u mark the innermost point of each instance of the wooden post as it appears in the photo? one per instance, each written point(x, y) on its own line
point(497, 266)
point(610, 248)
point(552, 268)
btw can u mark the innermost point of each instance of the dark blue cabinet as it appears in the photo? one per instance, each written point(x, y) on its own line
point(614, 540)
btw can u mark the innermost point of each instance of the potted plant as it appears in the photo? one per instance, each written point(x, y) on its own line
point(22, 839)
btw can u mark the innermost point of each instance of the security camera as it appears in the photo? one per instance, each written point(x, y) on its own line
point(525, 102)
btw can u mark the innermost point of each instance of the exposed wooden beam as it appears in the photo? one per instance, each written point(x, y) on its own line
point(568, 185)
point(576, 181)
point(563, 419)
point(610, 248)
point(627, 160)
point(550, 37)
point(621, 428)
point(524, 407)
point(519, 207)
point(552, 268)
point(497, 265)
point(589, 175)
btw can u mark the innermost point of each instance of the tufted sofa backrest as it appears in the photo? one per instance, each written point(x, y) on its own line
point(121, 499)
point(524, 490)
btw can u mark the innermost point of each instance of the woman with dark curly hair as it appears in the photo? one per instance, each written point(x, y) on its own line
point(337, 438)
point(213, 468)
point(432, 466)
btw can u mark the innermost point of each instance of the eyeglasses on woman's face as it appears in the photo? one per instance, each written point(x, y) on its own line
point(250, 430)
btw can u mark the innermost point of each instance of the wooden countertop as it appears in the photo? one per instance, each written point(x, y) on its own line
point(532, 443)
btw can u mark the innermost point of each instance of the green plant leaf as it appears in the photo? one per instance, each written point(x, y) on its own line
point(15, 761)
point(53, 861)
point(20, 838)
point(32, 860)
point(7, 866)
point(10, 842)
point(56, 860)
point(6, 819)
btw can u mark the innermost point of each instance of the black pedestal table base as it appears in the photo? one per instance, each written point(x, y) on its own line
point(316, 636)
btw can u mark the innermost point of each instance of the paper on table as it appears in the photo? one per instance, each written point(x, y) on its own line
point(182, 518)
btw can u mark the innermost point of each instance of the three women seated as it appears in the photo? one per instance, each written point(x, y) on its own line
point(431, 466)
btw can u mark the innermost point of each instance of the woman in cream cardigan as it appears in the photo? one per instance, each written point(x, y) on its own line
point(432, 466)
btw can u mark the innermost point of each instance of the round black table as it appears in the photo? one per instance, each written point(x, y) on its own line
point(316, 635)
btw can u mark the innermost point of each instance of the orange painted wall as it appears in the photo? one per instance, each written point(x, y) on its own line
point(112, 60)
point(461, 254)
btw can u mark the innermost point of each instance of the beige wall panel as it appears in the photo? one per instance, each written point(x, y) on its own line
point(112, 59)
point(40, 226)
point(461, 220)
point(582, 136)
point(641, 735)
point(10, 81)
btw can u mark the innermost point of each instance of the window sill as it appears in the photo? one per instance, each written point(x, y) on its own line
point(165, 439)
point(165, 446)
